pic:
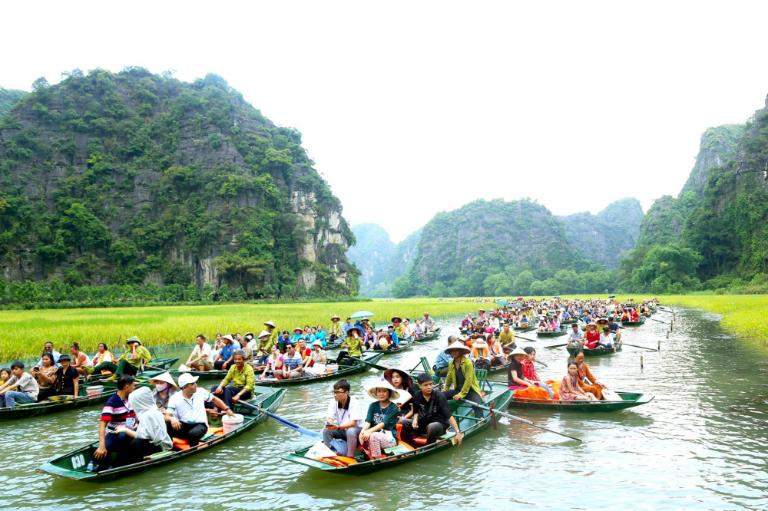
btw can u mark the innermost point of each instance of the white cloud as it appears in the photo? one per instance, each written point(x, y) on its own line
point(409, 108)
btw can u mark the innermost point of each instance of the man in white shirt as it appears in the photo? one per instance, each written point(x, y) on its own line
point(186, 410)
point(344, 418)
point(24, 382)
point(200, 359)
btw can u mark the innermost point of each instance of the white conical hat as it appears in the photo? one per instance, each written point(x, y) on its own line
point(457, 345)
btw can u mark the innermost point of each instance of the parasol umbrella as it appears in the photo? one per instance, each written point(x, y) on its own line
point(361, 314)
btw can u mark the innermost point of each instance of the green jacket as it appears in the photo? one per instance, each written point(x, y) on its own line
point(142, 355)
point(470, 380)
point(244, 378)
point(354, 346)
point(265, 345)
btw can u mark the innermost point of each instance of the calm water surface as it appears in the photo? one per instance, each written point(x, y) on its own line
point(701, 444)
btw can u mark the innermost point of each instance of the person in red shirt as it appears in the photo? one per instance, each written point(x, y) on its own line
point(592, 337)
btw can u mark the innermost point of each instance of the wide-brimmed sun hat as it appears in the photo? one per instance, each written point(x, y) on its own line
point(383, 384)
point(270, 323)
point(335, 317)
point(164, 377)
point(133, 340)
point(457, 345)
point(396, 318)
point(518, 351)
point(263, 334)
point(407, 379)
point(359, 330)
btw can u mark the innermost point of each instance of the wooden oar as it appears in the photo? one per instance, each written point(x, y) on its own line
point(520, 419)
point(525, 338)
point(658, 321)
point(637, 346)
point(285, 422)
point(375, 366)
point(557, 345)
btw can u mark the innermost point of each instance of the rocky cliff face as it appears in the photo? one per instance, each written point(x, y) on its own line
point(605, 237)
point(666, 218)
point(133, 177)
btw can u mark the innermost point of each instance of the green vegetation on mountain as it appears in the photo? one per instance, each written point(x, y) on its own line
point(715, 235)
point(605, 237)
point(499, 248)
point(8, 98)
point(379, 260)
point(135, 179)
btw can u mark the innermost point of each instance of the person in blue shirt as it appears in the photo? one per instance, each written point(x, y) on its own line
point(226, 354)
point(298, 333)
point(347, 325)
point(443, 359)
point(320, 336)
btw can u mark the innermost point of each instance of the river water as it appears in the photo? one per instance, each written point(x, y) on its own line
point(700, 444)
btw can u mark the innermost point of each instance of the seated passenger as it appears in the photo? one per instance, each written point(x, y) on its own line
point(165, 387)
point(317, 360)
point(293, 363)
point(344, 418)
point(151, 435)
point(592, 337)
point(606, 338)
point(67, 378)
point(569, 387)
point(186, 412)
point(432, 415)
point(45, 375)
point(200, 359)
point(380, 426)
point(238, 383)
point(26, 384)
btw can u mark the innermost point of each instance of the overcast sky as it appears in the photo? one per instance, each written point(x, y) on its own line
point(410, 108)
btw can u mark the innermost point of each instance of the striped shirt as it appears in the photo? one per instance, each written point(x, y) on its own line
point(117, 412)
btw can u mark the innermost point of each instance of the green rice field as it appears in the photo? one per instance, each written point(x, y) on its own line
point(22, 333)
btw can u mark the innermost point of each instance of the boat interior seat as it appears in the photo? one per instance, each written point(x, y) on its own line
point(420, 441)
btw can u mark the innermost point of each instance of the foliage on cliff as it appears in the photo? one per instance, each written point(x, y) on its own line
point(715, 235)
point(8, 98)
point(134, 178)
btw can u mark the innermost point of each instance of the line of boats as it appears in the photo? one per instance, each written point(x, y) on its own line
point(268, 396)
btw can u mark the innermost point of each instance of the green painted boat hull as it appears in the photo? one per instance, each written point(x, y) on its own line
point(597, 352)
point(633, 323)
point(551, 334)
point(524, 329)
point(72, 465)
point(499, 397)
point(435, 334)
point(23, 411)
point(358, 367)
point(628, 400)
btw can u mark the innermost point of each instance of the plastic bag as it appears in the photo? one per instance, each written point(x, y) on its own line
point(319, 451)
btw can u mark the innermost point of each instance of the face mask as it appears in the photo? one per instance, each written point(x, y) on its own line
point(161, 387)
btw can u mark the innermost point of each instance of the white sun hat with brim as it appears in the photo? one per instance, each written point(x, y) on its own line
point(263, 334)
point(383, 384)
point(229, 337)
point(186, 378)
point(456, 345)
point(317, 344)
point(164, 377)
point(518, 351)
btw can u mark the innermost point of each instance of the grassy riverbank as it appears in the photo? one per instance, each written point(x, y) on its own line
point(22, 333)
point(744, 315)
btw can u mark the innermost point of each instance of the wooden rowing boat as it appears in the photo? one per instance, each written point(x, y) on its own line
point(597, 352)
point(434, 334)
point(633, 323)
point(348, 366)
point(24, 410)
point(73, 465)
point(404, 346)
point(628, 400)
point(525, 328)
point(469, 424)
point(157, 365)
point(555, 333)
